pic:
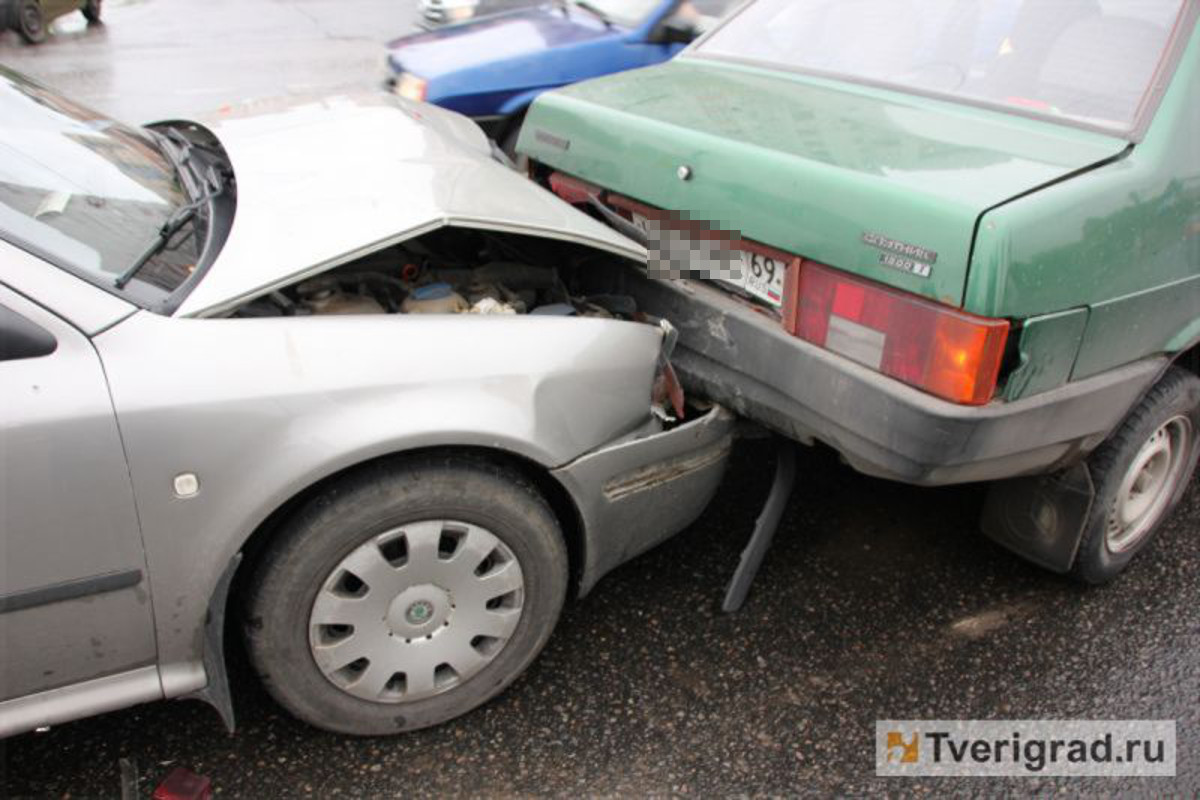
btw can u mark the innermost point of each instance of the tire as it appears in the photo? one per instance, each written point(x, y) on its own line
point(1140, 474)
point(30, 22)
point(91, 11)
point(331, 673)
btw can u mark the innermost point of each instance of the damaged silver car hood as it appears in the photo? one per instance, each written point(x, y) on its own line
point(321, 182)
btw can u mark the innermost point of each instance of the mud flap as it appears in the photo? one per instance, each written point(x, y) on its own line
point(764, 527)
point(216, 691)
point(1041, 518)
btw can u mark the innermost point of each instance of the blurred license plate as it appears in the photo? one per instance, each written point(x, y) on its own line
point(761, 276)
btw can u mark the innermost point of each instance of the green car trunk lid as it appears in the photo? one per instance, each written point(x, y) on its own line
point(836, 172)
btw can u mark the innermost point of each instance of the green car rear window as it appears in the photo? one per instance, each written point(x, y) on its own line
point(1093, 61)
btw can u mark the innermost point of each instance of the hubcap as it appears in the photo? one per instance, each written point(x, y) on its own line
point(419, 612)
point(416, 611)
point(1148, 485)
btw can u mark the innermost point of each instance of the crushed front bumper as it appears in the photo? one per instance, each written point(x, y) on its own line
point(637, 493)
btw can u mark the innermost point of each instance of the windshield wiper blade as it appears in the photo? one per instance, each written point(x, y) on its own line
point(178, 150)
point(595, 12)
point(182, 151)
point(179, 217)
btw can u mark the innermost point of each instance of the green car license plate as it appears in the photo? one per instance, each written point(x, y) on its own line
point(758, 275)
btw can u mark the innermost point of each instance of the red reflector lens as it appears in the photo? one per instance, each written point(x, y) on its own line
point(573, 190)
point(946, 352)
point(183, 784)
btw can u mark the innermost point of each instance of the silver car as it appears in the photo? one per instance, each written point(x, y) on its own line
point(326, 370)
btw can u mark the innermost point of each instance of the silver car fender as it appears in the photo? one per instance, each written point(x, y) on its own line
point(257, 410)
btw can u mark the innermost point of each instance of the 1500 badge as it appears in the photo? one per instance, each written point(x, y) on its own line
point(909, 258)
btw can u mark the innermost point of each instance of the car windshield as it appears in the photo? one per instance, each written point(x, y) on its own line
point(87, 193)
point(1093, 61)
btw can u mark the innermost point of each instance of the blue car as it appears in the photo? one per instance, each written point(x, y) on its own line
point(492, 67)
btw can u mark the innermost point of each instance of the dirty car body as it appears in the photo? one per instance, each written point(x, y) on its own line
point(848, 183)
point(163, 424)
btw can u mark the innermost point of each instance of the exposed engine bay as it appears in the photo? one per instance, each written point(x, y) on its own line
point(468, 271)
point(461, 271)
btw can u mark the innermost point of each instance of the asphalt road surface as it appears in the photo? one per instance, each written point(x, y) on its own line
point(878, 601)
point(162, 59)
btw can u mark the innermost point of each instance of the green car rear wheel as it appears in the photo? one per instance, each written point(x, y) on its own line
point(1140, 474)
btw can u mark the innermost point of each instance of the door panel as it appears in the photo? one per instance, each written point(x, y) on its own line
point(74, 602)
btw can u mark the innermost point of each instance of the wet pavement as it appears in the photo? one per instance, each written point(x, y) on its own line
point(161, 59)
point(878, 600)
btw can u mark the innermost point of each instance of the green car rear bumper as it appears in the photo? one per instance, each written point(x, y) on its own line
point(746, 361)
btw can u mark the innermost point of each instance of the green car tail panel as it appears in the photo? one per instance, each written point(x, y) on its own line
point(1048, 347)
point(807, 165)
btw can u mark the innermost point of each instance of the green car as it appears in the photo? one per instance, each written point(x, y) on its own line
point(31, 18)
point(955, 240)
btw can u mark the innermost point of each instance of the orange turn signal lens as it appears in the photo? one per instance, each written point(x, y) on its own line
point(410, 87)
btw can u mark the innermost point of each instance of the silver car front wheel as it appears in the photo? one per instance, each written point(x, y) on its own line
point(406, 594)
point(416, 611)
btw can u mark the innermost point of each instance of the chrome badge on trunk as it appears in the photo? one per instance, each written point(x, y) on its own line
point(899, 255)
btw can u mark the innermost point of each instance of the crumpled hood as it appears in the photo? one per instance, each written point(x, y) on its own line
point(490, 40)
point(323, 181)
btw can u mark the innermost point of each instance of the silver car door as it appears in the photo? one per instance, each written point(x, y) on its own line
point(74, 599)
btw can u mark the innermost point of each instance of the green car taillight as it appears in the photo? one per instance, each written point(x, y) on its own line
point(946, 352)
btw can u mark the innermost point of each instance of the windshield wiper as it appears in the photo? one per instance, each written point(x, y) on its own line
point(187, 149)
point(182, 152)
point(595, 12)
point(179, 217)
